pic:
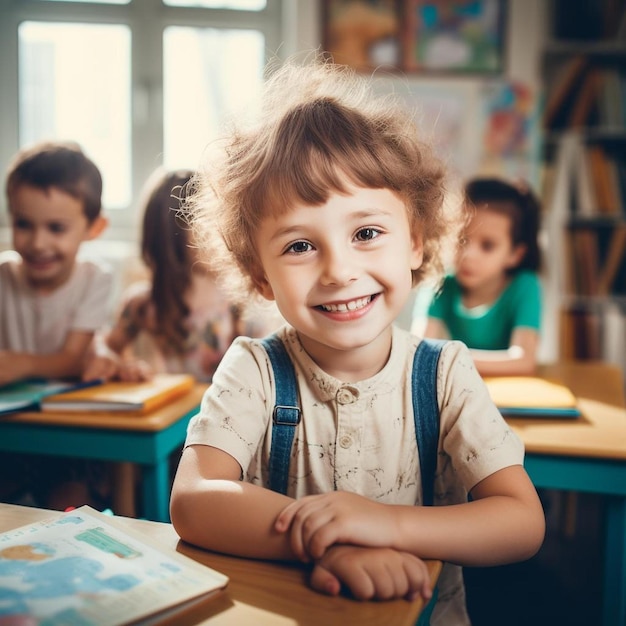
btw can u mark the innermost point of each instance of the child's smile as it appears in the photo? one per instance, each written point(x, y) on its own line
point(340, 273)
point(352, 309)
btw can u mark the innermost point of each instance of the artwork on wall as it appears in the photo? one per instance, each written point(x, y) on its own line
point(454, 36)
point(445, 113)
point(510, 130)
point(364, 34)
point(440, 36)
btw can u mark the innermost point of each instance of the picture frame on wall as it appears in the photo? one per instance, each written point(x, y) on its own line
point(364, 34)
point(417, 36)
point(460, 36)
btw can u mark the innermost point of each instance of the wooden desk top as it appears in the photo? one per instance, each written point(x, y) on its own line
point(599, 433)
point(259, 592)
point(152, 422)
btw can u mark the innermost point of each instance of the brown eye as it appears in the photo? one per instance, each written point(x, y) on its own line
point(367, 234)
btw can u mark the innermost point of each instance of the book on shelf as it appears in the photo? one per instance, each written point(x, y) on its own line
point(27, 395)
point(562, 97)
point(586, 198)
point(586, 99)
point(615, 258)
point(117, 396)
point(586, 256)
point(83, 567)
point(581, 333)
point(530, 396)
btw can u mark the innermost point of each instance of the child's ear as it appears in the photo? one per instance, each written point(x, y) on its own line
point(97, 227)
point(517, 255)
point(263, 286)
point(417, 251)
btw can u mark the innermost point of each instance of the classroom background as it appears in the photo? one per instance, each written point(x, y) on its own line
point(523, 88)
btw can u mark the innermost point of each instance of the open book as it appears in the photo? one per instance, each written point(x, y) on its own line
point(116, 396)
point(27, 395)
point(81, 567)
point(529, 396)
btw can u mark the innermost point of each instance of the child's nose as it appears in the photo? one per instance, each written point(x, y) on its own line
point(339, 267)
point(38, 238)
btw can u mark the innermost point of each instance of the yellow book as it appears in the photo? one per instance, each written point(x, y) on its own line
point(115, 396)
point(530, 396)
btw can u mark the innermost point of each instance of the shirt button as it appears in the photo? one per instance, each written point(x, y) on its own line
point(347, 395)
point(345, 441)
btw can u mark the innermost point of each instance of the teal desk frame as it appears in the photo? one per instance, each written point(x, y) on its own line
point(608, 478)
point(149, 449)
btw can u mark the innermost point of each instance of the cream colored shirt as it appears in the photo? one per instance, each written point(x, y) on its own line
point(360, 437)
point(39, 324)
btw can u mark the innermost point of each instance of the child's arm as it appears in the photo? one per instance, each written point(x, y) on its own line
point(210, 507)
point(436, 329)
point(66, 363)
point(503, 523)
point(106, 363)
point(519, 360)
point(109, 356)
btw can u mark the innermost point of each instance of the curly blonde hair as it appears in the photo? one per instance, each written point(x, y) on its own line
point(317, 123)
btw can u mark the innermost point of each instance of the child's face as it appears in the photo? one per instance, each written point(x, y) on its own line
point(340, 272)
point(48, 228)
point(488, 251)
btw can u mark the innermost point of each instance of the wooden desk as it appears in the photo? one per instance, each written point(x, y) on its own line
point(146, 440)
point(260, 592)
point(589, 455)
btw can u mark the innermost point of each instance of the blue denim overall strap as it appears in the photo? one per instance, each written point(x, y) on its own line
point(286, 413)
point(426, 411)
point(426, 415)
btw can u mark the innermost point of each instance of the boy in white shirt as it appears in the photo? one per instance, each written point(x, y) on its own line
point(51, 303)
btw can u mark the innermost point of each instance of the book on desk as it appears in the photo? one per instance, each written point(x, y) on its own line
point(116, 396)
point(26, 395)
point(530, 396)
point(82, 567)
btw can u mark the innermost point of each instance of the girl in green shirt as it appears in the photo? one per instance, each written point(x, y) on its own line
point(493, 300)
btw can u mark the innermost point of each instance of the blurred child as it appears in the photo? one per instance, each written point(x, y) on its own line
point(180, 320)
point(492, 302)
point(331, 206)
point(51, 303)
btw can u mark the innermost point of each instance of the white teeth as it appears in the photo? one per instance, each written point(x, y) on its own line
point(353, 305)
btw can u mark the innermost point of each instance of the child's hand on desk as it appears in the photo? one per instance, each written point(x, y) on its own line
point(315, 523)
point(371, 573)
point(110, 366)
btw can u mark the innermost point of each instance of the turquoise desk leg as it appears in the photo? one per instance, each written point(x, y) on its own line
point(156, 491)
point(615, 563)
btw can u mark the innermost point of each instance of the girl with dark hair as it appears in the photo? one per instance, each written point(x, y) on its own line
point(492, 302)
point(180, 320)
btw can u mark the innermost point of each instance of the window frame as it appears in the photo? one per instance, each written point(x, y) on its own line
point(146, 20)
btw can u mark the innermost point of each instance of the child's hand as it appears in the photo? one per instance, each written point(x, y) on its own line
point(111, 366)
point(135, 371)
point(103, 367)
point(371, 574)
point(315, 523)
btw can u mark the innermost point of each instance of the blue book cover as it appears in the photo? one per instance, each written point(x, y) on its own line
point(26, 395)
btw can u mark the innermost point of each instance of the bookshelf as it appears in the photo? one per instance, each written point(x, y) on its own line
point(584, 130)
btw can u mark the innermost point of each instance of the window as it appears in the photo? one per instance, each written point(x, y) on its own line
point(138, 83)
point(74, 82)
